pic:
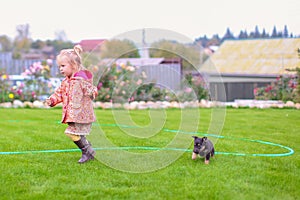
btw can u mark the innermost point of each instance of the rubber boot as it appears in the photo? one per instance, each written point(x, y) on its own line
point(88, 152)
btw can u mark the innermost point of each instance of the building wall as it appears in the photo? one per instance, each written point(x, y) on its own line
point(166, 76)
point(227, 92)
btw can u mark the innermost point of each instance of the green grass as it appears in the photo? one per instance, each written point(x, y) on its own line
point(59, 176)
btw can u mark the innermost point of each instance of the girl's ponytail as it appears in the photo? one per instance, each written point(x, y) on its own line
point(78, 50)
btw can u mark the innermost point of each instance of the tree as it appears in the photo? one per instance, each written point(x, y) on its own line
point(274, 32)
point(90, 59)
point(228, 35)
point(279, 34)
point(38, 44)
point(59, 44)
point(256, 32)
point(119, 49)
point(214, 41)
point(5, 44)
point(190, 54)
point(264, 34)
point(22, 42)
point(202, 41)
point(243, 35)
point(61, 35)
point(285, 32)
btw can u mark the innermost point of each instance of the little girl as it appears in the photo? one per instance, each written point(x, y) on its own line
point(76, 93)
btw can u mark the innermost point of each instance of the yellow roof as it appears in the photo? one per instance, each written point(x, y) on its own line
point(255, 57)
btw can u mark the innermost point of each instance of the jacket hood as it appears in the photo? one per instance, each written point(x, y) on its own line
point(85, 74)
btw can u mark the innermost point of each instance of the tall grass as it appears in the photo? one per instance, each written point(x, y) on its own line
point(59, 176)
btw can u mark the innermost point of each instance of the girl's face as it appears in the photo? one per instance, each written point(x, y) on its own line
point(66, 69)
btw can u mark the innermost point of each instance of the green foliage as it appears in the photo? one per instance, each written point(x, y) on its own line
point(117, 83)
point(90, 59)
point(59, 44)
point(123, 83)
point(297, 98)
point(190, 55)
point(38, 44)
point(36, 84)
point(119, 49)
point(5, 44)
point(5, 94)
point(284, 88)
point(198, 86)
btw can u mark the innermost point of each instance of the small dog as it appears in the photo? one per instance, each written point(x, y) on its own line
point(204, 148)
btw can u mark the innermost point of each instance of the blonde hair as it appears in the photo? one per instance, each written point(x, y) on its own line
point(72, 56)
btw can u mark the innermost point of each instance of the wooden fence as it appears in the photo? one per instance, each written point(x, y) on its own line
point(164, 75)
point(18, 66)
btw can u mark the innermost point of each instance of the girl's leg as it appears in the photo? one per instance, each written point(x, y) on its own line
point(73, 132)
point(88, 152)
point(73, 137)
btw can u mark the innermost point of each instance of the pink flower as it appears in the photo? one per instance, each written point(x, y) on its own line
point(278, 78)
point(292, 84)
point(130, 68)
point(139, 82)
point(19, 91)
point(49, 62)
point(26, 73)
point(37, 66)
point(255, 91)
point(188, 90)
point(99, 85)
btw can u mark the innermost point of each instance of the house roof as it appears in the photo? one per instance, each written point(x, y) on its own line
point(91, 44)
point(254, 57)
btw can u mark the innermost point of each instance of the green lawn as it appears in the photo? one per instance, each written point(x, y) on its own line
point(146, 173)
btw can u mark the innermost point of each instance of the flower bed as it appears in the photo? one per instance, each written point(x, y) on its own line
point(261, 104)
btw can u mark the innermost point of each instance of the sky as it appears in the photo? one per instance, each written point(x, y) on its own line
point(106, 19)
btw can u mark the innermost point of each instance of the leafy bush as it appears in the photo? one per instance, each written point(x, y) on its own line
point(121, 83)
point(195, 87)
point(284, 88)
point(35, 86)
point(118, 84)
point(124, 83)
point(5, 95)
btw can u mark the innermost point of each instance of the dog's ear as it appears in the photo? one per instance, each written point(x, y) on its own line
point(195, 137)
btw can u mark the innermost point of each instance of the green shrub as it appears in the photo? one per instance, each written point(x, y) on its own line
point(284, 88)
point(121, 84)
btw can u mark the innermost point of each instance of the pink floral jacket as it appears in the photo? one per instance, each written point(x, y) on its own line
point(76, 94)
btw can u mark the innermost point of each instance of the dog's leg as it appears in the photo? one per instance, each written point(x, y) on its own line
point(207, 157)
point(212, 152)
point(194, 156)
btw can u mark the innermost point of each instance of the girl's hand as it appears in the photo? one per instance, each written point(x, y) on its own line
point(48, 102)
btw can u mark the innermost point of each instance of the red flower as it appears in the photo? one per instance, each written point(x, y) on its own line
point(268, 88)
